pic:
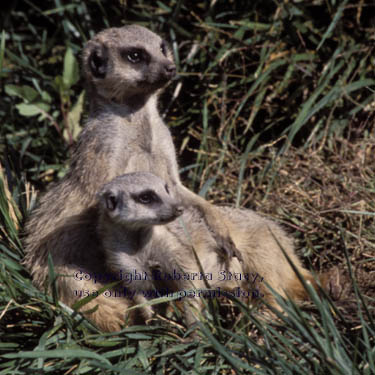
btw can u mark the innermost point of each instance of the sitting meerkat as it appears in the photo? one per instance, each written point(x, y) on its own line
point(125, 69)
point(140, 236)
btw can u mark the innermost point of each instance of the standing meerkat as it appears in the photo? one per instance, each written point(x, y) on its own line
point(125, 68)
point(140, 236)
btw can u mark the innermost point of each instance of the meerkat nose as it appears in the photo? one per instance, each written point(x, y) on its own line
point(170, 70)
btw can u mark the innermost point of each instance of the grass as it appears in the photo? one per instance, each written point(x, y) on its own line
point(273, 110)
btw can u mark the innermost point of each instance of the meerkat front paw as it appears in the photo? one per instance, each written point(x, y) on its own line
point(226, 248)
point(335, 283)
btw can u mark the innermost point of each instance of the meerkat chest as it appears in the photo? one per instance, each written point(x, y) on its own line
point(135, 271)
point(146, 161)
point(138, 268)
point(148, 152)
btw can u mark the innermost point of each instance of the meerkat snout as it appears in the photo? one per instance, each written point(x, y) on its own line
point(170, 70)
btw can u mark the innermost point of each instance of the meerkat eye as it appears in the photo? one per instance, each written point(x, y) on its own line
point(167, 188)
point(134, 57)
point(111, 202)
point(146, 197)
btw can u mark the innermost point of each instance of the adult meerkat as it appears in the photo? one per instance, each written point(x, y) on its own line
point(139, 236)
point(125, 68)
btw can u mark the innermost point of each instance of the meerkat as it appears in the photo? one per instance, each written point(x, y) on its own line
point(125, 69)
point(130, 208)
point(139, 234)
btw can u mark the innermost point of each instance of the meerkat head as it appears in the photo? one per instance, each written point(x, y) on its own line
point(138, 200)
point(127, 64)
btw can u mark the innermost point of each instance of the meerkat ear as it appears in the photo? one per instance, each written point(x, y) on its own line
point(98, 60)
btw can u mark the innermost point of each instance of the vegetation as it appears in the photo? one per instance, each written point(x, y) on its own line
point(273, 110)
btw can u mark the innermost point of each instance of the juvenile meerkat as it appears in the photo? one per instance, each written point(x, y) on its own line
point(130, 208)
point(124, 68)
point(139, 235)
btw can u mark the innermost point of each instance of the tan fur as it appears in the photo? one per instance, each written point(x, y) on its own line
point(133, 239)
point(124, 133)
point(259, 240)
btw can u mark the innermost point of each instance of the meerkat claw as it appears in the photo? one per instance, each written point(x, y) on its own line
point(227, 249)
